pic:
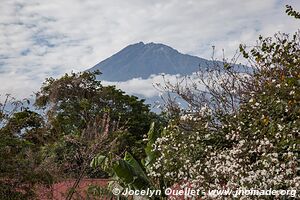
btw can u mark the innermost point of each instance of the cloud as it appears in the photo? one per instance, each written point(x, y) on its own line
point(155, 85)
point(144, 87)
point(48, 38)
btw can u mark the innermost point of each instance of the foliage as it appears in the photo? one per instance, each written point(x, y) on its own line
point(240, 130)
point(290, 11)
point(79, 110)
point(128, 172)
point(20, 159)
point(253, 145)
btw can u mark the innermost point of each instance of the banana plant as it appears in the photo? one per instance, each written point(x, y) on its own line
point(150, 154)
point(129, 171)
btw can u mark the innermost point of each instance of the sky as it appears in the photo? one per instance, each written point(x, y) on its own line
point(39, 39)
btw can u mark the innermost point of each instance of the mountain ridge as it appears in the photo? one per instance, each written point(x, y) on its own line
point(141, 60)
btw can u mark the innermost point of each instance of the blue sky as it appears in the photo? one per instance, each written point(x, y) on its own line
point(48, 38)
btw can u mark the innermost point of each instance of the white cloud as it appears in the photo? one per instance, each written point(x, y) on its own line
point(155, 85)
point(145, 87)
point(43, 38)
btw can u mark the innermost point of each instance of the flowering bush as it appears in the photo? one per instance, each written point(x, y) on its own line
point(254, 147)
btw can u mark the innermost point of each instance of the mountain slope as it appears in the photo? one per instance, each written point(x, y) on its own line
point(142, 60)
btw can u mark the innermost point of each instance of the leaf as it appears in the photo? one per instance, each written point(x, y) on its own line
point(124, 171)
point(291, 12)
point(151, 155)
point(137, 167)
point(97, 161)
point(129, 175)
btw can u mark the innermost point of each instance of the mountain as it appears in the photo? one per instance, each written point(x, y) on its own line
point(142, 60)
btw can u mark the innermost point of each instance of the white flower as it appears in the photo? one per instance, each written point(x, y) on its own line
point(206, 125)
point(263, 172)
point(280, 127)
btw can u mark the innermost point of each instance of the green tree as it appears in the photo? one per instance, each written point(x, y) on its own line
point(80, 109)
point(20, 156)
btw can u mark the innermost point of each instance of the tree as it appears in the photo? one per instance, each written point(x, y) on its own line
point(20, 156)
point(255, 144)
point(79, 110)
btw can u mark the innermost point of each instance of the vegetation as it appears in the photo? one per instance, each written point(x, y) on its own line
point(254, 146)
point(84, 117)
point(80, 119)
point(20, 145)
point(240, 130)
